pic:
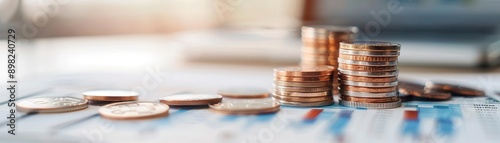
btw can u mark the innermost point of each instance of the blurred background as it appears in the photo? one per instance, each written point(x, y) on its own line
point(124, 35)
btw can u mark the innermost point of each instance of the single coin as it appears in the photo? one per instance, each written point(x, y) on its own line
point(302, 89)
point(367, 58)
point(368, 79)
point(369, 74)
point(244, 93)
point(369, 53)
point(370, 46)
point(418, 90)
point(364, 63)
point(369, 89)
point(306, 104)
point(304, 71)
point(302, 99)
point(302, 84)
point(405, 97)
point(369, 94)
point(367, 68)
point(454, 88)
point(300, 94)
point(246, 106)
point(369, 84)
point(370, 105)
point(51, 104)
point(302, 79)
point(134, 110)
point(329, 29)
point(369, 100)
point(111, 95)
point(191, 99)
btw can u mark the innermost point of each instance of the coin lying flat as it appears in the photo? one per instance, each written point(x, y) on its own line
point(304, 71)
point(306, 104)
point(369, 74)
point(191, 99)
point(369, 84)
point(302, 99)
point(302, 89)
point(244, 93)
point(302, 79)
point(368, 58)
point(418, 90)
point(365, 63)
point(453, 88)
point(367, 79)
point(369, 94)
point(134, 110)
point(302, 84)
point(367, 68)
point(369, 100)
point(303, 94)
point(369, 53)
point(51, 104)
point(369, 89)
point(370, 105)
point(111, 95)
point(370, 46)
point(246, 106)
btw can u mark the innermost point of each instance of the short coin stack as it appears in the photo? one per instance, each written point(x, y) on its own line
point(303, 85)
point(321, 46)
point(368, 74)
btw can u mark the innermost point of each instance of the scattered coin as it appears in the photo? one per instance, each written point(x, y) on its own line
point(244, 93)
point(405, 97)
point(418, 90)
point(51, 104)
point(246, 106)
point(111, 95)
point(370, 105)
point(454, 88)
point(191, 99)
point(134, 110)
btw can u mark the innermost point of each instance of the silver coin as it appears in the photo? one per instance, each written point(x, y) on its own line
point(370, 46)
point(134, 110)
point(364, 63)
point(371, 105)
point(244, 93)
point(308, 104)
point(369, 74)
point(370, 53)
point(51, 104)
point(368, 94)
point(302, 89)
point(369, 84)
point(236, 106)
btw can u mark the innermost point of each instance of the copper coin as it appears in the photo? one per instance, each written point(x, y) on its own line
point(418, 90)
point(302, 89)
point(366, 68)
point(302, 84)
point(304, 71)
point(329, 29)
point(51, 104)
point(191, 99)
point(134, 110)
point(302, 94)
point(369, 74)
point(311, 44)
point(370, 46)
point(369, 89)
point(111, 95)
point(454, 88)
point(369, 100)
point(244, 93)
point(302, 79)
point(367, 58)
point(368, 79)
point(302, 99)
point(246, 106)
point(306, 104)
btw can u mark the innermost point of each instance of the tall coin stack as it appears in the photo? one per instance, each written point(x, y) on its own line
point(303, 85)
point(368, 74)
point(321, 46)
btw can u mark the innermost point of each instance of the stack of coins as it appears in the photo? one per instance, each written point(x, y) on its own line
point(303, 85)
point(368, 74)
point(321, 46)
